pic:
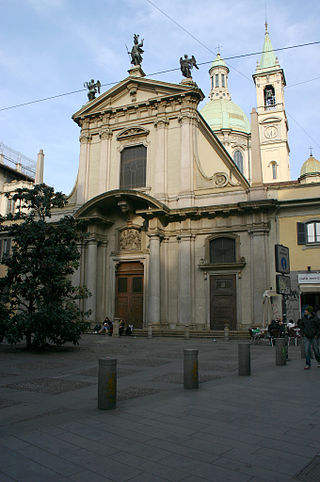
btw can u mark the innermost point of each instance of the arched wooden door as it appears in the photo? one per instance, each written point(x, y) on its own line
point(129, 293)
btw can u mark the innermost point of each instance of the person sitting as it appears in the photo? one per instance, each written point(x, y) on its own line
point(110, 327)
point(121, 327)
point(105, 326)
point(129, 330)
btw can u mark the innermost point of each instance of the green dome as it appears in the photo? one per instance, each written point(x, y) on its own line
point(311, 165)
point(219, 62)
point(225, 114)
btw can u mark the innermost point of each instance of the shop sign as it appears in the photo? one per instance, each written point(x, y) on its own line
point(309, 278)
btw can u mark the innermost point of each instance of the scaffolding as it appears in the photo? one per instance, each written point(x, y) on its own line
point(16, 160)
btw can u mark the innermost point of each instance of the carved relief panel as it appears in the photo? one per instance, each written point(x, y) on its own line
point(130, 240)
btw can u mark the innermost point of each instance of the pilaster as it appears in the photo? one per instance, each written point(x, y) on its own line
point(154, 280)
point(91, 281)
point(185, 278)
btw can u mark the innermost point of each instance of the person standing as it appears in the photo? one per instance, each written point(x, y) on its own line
point(310, 328)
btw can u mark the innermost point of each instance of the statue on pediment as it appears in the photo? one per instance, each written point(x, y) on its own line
point(187, 64)
point(136, 51)
point(93, 87)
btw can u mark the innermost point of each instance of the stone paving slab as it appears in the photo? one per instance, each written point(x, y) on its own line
point(259, 428)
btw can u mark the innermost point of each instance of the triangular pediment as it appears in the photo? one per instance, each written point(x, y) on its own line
point(134, 91)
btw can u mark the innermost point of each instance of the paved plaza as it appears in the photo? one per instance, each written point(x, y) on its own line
point(263, 427)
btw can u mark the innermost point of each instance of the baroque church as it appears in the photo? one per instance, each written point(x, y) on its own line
point(181, 229)
point(181, 205)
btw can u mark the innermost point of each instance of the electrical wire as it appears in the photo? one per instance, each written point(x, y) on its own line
point(302, 128)
point(23, 104)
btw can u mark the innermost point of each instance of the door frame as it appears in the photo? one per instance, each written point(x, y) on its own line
point(115, 260)
point(238, 294)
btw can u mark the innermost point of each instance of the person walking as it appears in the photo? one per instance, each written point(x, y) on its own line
point(310, 328)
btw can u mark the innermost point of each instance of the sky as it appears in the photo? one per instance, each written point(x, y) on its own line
point(51, 47)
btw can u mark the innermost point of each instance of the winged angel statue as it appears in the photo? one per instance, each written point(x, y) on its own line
point(187, 64)
point(93, 88)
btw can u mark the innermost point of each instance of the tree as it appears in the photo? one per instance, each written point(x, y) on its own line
point(38, 301)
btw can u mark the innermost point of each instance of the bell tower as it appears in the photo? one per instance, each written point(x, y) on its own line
point(270, 81)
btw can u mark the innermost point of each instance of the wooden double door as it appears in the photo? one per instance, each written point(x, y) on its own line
point(223, 306)
point(129, 293)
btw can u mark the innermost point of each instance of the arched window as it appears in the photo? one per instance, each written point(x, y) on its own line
point(274, 170)
point(217, 80)
point(238, 159)
point(222, 250)
point(269, 96)
point(133, 167)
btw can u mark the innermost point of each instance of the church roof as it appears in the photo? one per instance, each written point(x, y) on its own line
point(310, 166)
point(225, 114)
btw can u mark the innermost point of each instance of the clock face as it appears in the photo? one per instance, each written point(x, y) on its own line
point(270, 132)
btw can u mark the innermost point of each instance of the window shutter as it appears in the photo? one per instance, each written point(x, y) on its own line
point(301, 233)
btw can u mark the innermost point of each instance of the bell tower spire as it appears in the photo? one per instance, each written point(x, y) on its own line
point(270, 81)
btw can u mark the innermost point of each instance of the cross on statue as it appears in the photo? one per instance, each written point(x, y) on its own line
point(310, 147)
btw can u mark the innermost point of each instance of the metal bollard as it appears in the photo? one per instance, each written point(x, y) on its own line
point(244, 358)
point(281, 351)
point(186, 332)
point(191, 369)
point(226, 332)
point(107, 383)
point(149, 330)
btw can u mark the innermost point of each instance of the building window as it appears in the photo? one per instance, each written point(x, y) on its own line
point(5, 246)
point(222, 250)
point(308, 233)
point(222, 81)
point(269, 96)
point(274, 170)
point(217, 80)
point(133, 167)
point(238, 159)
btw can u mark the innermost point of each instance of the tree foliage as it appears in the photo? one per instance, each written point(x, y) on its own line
point(39, 304)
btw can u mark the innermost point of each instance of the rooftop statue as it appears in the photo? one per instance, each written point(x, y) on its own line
point(136, 51)
point(93, 88)
point(187, 64)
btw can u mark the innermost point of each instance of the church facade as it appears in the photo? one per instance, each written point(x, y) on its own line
point(180, 230)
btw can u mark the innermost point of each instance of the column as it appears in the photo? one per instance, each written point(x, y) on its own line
point(186, 161)
point(91, 281)
point(185, 279)
point(83, 168)
point(104, 170)
point(154, 280)
point(161, 160)
point(259, 272)
point(103, 268)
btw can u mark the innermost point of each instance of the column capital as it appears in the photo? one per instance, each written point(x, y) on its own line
point(105, 134)
point(85, 138)
point(161, 121)
point(186, 237)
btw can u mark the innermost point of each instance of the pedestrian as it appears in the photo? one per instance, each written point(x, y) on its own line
point(105, 326)
point(310, 328)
